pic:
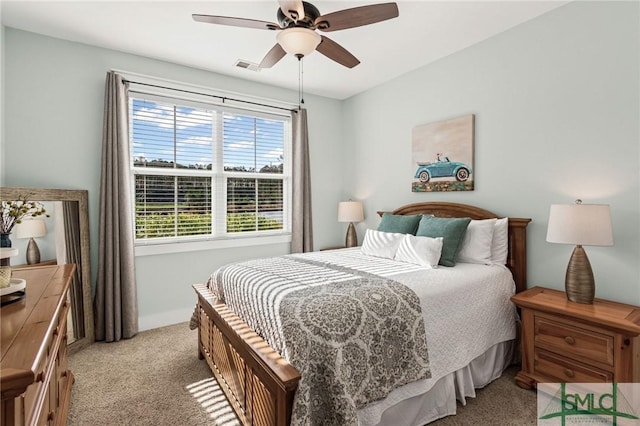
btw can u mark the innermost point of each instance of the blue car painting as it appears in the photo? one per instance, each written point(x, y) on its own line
point(442, 167)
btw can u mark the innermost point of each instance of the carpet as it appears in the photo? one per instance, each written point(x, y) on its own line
point(156, 379)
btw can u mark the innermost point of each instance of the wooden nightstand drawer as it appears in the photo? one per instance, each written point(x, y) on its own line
point(547, 364)
point(569, 340)
point(563, 341)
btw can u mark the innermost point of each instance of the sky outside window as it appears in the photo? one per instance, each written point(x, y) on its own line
point(164, 135)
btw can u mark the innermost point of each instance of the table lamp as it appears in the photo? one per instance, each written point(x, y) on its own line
point(350, 211)
point(580, 224)
point(31, 229)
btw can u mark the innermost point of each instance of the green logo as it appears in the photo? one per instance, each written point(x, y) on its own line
point(586, 403)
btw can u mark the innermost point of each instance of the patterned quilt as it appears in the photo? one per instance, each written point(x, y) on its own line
point(354, 336)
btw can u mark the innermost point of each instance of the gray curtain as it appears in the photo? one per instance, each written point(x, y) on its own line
point(116, 305)
point(301, 229)
point(70, 214)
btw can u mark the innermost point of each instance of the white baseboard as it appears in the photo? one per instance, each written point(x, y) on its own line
point(163, 319)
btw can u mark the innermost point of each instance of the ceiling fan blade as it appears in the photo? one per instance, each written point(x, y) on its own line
point(236, 22)
point(357, 17)
point(273, 56)
point(292, 9)
point(334, 51)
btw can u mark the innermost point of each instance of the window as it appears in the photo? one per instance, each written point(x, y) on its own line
point(204, 171)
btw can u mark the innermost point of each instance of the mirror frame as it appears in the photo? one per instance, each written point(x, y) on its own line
point(82, 197)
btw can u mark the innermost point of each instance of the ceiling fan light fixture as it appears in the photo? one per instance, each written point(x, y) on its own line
point(298, 41)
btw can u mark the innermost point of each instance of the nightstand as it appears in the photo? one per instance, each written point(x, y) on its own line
point(563, 341)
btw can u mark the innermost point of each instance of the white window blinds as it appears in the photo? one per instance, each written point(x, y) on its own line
point(207, 171)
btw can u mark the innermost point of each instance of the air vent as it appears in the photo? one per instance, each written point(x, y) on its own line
point(240, 63)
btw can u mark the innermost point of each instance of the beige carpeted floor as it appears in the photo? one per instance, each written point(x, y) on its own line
point(157, 379)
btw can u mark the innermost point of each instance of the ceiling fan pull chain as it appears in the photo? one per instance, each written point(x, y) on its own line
point(300, 81)
point(299, 91)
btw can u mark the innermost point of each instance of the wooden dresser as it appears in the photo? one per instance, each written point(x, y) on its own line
point(563, 341)
point(34, 379)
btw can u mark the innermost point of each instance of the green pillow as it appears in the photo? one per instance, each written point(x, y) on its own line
point(451, 230)
point(399, 224)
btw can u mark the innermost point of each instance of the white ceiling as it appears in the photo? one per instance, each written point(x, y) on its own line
point(424, 32)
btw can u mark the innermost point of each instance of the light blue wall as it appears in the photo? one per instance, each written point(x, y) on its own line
point(556, 102)
point(54, 109)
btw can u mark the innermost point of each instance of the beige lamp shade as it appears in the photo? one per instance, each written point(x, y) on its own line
point(350, 211)
point(580, 224)
point(33, 228)
point(298, 41)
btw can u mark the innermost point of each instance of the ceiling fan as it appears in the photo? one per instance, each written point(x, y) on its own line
point(298, 21)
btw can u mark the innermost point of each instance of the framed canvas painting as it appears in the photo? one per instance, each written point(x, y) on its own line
point(442, 155)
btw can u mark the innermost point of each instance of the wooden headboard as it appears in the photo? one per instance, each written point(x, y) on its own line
point(517, 255)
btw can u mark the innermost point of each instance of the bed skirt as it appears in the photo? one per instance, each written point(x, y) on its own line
point(440, 400)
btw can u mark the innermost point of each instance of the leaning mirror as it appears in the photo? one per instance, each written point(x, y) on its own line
point(63, 239)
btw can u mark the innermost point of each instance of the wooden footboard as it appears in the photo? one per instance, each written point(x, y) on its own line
point(257, 381)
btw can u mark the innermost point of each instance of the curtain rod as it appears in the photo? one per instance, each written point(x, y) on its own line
point(224, 98)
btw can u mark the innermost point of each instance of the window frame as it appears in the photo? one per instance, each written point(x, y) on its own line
point(219, 238)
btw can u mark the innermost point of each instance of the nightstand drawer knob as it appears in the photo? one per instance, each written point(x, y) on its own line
point(570, 340)
point(568, 372)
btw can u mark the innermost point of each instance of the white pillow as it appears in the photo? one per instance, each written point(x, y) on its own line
point(381, 244)
point(476, 245)
point(423, 251)
point(500, 242)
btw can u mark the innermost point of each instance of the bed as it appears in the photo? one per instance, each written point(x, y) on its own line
point(261, 385)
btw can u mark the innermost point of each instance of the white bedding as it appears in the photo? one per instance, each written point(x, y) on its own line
point(466, 309)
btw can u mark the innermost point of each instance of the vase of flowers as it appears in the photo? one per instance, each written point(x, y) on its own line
point(13, 212)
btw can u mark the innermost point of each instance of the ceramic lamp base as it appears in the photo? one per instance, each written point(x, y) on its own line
point(579, 282)
point(33, 252)
point(352, 237)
